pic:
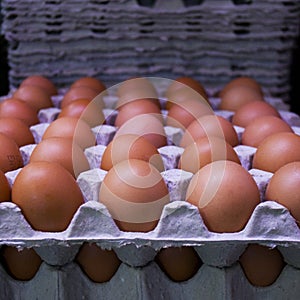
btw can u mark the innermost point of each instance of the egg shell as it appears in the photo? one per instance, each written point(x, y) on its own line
point(90, 82)
point(42, 82)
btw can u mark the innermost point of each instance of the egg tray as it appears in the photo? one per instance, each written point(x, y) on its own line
point(139, 277)
point(213, 41)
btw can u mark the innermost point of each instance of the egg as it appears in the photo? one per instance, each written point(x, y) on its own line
point(88, 111)
point(15, 108)
point(10, 156)
point(134, 89)
point(284, 188)
point(100, 265)
point(130, 146)
point(134, 193)
point(178, 263)
point(237, 96)
point(62, 151)
point(90, 82)
point(225, 194)
point(79, 92)
point(137, 107)
point(35, 96)
point(74, 128)
point(277, 150)
point(205, 150)
point(250, 111)
point(261, 265)
point(146, 125)
point(5, 194)
point(41, 81)
point(17, 130)
point(242, 81)
point(207, 126)
point(47, 195)
point(21, 264)
point(262, 127)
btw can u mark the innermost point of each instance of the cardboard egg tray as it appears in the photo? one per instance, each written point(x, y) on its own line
point(213, 41)
point(139, 276)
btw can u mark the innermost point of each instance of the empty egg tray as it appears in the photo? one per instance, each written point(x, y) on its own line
point(139, 277)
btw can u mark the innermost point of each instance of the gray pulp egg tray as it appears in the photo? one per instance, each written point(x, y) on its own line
point(139, 277)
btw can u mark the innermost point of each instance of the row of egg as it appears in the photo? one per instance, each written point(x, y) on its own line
point(139, 90)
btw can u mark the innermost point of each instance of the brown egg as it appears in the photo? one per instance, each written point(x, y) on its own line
point(42, 82)
point(284, 188)
point(225, 194)
point(182, 114)
point(134, 89)
point(237, 96)
point(78, 92)
point(137, 107)
point(15, 108)
point(98, 264)
point(88, 111)
point(242, 81)
point(130, 146)
point(62, 151)
point(262, 127)
point(261, 265)
point(35, 96)
point(179, 263)
point(135, 193)
point(10, 156)
point(21, 264)
point(73, 128)
point(5, 194)
point(205, 150)
point(207, 126)
point(17, 130)
point(250, 111)
point(148, 126)
point(90, 82)
point(276, 151)
point(48, 196)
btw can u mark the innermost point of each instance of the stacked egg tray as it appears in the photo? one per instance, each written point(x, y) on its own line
point(213, 41)
point(139, 276)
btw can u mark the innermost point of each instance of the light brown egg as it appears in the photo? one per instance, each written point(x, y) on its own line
point(78, 92)
point(42, 82)
point(262, 127)
point(284, 188)
point(5, 194)
point(21, 264)
point(130, 146)
point(237, 96)
point(261, 265)
point(205, 150)
point(10, 156)
point(88, 111)
point(242, 81)
point(276, 151)
point(74, 128)
point(35, 96)
point(15, 108)
point(17, 130)
point(225, 194)
point(250, 111)
point(179, 263)
point(90, 82)
point(137, 107)
point(134, 89)
point(149, 126)
point(98, 264)
point(47, 195)
point(62, 151)
point(207, 126)
point(134, 193)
